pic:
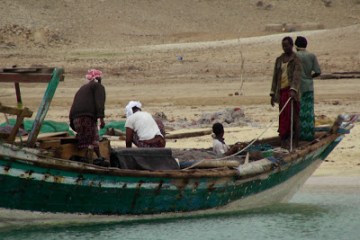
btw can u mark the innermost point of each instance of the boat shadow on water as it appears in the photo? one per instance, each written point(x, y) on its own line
point(44, 223)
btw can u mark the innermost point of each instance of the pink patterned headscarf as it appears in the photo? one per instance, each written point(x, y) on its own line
point(92, 74)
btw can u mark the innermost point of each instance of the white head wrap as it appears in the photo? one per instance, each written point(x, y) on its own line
point(131, 104)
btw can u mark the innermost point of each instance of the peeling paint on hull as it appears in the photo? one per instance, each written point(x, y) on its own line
point(28, 187)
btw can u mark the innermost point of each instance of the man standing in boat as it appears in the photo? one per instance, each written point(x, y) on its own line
point(89, 106)
point(310, 70)
point(285, 91)
point(142, 129)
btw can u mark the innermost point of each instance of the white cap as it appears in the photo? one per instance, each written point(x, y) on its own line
point(131, 104)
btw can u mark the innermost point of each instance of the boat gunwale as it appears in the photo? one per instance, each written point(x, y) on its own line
point(84, 168)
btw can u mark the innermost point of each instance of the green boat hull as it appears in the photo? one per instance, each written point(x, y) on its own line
point(26, 186)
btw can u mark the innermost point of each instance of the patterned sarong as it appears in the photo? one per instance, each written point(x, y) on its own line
point(285, 116)
point(157, 141)
point(86, 132)
point(307, 117)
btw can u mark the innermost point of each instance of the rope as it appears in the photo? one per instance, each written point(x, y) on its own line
point(242, 150)
point(291, 126)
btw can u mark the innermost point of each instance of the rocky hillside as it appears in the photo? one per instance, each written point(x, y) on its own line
point(111, 23)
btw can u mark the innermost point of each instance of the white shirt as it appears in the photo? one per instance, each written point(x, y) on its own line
point(143, 124)
point(219, 148)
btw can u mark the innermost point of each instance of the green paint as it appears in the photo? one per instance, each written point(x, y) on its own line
point(123, 197)
point(45, 105)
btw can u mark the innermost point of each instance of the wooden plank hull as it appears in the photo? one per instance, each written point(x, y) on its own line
point(27, 184)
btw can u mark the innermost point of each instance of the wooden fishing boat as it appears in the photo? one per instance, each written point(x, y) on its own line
point(42, 174)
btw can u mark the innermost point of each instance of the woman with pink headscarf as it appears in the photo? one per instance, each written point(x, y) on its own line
point(89, 106)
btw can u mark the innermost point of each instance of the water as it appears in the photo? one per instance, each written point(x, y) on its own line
point(317, 212)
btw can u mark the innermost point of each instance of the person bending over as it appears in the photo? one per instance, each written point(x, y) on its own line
point(142, 129)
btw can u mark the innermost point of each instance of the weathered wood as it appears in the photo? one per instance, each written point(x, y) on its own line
point(193, 173)
point(27, 75)
point(15, 129)
point(43, 136)
point(44, 106)
point(303, 152)
point(66, 151)
point(25, 78)
point(121, 191)
point(50, 144)
point(116, 132)
point(218, 164)
point(15, 111)
point(18, 95)
point(20, 115)
point(27, 70)
point(41, 160)
point(188, 134)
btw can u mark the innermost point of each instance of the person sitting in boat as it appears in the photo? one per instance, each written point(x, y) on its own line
point(220, 148)
point(142, 129)
point(89, 106)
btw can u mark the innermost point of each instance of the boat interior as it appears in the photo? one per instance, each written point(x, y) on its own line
point(62, 145)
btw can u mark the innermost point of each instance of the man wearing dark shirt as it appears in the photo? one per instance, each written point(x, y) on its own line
point(89, 106)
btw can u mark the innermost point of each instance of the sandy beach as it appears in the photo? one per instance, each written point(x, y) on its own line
point(190, 69)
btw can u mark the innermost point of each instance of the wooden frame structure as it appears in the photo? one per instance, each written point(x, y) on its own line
point(52, 76)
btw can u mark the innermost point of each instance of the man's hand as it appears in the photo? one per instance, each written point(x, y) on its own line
point(102, 123)
point(272, 100)
point(293, 94)
point(129, 137)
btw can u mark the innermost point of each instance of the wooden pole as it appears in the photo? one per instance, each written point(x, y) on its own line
point(188, 134)
point(18, 95)
point(20, 115)
point(19, 121)
point(44, 106)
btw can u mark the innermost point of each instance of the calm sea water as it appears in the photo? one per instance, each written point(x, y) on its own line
point(316, 212)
